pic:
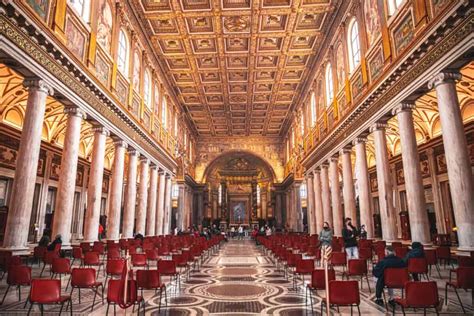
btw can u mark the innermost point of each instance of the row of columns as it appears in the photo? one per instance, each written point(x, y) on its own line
point(154, 201)
point(324, 179)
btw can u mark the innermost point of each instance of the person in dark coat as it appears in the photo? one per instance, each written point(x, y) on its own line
point(415, 252)
point(349, 234)
point(44, 241)
point(57, 240)
point(390, 261)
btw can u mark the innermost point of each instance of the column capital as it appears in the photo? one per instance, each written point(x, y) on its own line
point(324, 165)
point(407, 106)
point(38, 84)
point(334, 158)
point(443, 77)
point(75, 111)
point(168, 176)
point(143, 159)
point(346, 150)
point(100, 129)
point(379, 126)
point(316, 170)
point(118, 142)
point(309, 175)
point(161, 172)
point(133, 152)
point(360, 139)
point(153, 166)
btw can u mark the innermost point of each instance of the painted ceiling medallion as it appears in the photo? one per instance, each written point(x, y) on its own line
point(236, 23)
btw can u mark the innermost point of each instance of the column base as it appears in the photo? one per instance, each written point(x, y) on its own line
point(465, 250)
point(17, 251)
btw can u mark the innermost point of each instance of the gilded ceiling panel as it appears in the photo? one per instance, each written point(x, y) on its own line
point(237, 65)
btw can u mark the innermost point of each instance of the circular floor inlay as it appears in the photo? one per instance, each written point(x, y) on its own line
point(228, 271)
point(289, 300)
point(233, 290)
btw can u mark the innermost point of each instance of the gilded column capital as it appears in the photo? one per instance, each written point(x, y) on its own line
point(100, 130)
point(404, 107)
point(379, 126)
point(360, 139)
point(38, 84)
point(444, 77)
point(75, 111)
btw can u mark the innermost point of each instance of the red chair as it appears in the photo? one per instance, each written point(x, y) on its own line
point(339, 259)
point(418, 266)
point(61, 266)
point(114, 267)
point(152, 255)
point(401, 252)
point(291, 262)
point(358, 267)
point(113, 293)
point(85, 246)
point(48, 260)
point(84, 278)
point(303, 267)
point(343, 293)
point(396, 244)
point(419, 295)
point(92, 259)
point(444, 254)
point(139, 260)
point(318, 282)
point(150, 280)
point(464, 280)
point(18, 276)
point(395, 278)
point(168, 268)
point(365, 254)
point(38, 253)
point(432, 260)
point(113, 253)
point(47, 292)
point(77, 254)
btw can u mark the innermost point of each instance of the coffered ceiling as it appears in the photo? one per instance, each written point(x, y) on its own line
point(236, 65)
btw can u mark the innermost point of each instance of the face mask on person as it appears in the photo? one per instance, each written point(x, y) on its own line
point(326, 227)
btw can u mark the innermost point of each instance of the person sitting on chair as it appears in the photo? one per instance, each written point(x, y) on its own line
point(390, 261)
point(57, 240)
point(415, 252)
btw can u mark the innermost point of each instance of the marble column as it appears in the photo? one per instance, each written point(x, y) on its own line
point(116, 188)
point(458, 162)
point(348, 192)
point(298, 209)
point(160, 203)
point(435, 188)
point(152, 193)
point(310, 204)
point(67, 178)
point(384, 180)
point(419, 224)
point(363, 186)
point(94, 187)
point(180, 212)
point(326, 195)
point(337, 212)
point(318, 202)
point(130, 196)
point(167, 219)
point(18, 220)
point(142, 197)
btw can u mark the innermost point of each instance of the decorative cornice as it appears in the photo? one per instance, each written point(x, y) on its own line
point(444, 77)
point(37, 84)
point(404, 107)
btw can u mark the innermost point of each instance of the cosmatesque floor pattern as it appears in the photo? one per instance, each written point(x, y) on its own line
point(238, 280)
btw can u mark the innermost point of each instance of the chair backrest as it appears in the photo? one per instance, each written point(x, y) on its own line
point(344, 292)
point(61, 265)
point(83, 277)
point(114, 266)
point(113, 253)
point(77, 253)
point(113, 290)
point(395, 278)
point(293, 258)
point(430, 256)
point(417, 265)
point(421, 294)
point(148, 279)
point(401, 251)
point(152, 254)
point(465, 277)
point(357, 267)
point(365, 253)
point(39, 252)
point(443, 252)
point(167, 266)
point(465, 261)
point(19, 275)
point(91, 258)
point(338, 258)
point(304, 265)
point(45, 291)
point(138, 259)
point(49, 256)
point(318, 280)
point(85, 246)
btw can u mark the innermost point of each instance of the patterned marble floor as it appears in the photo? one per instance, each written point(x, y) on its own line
point(238, 280)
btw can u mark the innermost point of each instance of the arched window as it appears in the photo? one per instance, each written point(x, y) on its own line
point(354, 45)
point(164, 111)
point(82, 8)
point(393, 6)
point(313, 109)
point(147, 89)
point(329, 85)
point(122, 53)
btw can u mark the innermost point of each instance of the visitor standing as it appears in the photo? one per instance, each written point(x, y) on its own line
point(349, 234)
